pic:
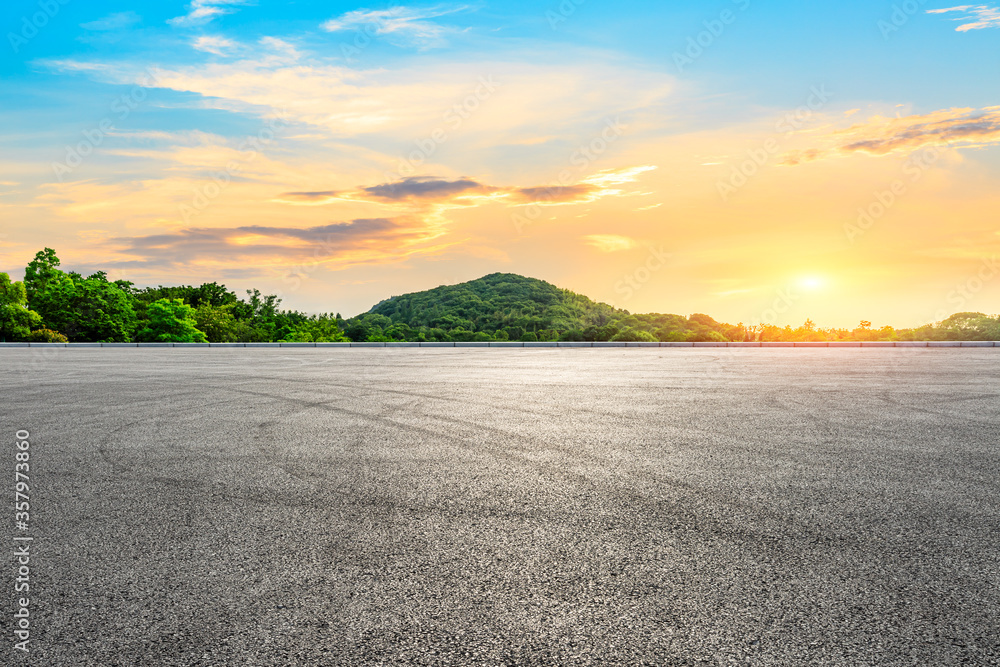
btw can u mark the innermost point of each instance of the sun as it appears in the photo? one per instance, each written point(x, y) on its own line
point(811, 283)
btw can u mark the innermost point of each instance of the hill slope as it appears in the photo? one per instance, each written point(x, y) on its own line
point(507, 306)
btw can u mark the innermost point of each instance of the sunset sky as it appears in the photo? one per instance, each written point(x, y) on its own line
point(672, 157)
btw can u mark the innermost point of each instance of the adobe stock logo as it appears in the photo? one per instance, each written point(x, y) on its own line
point(565, 10)
point(454, 118)
point(901, 15)
point(582, 158)
point(634, 281)
point(93, 138)
point(758, 158)
point(31, 25)
point(965, 292)
point(714, 29)
point(883, 200)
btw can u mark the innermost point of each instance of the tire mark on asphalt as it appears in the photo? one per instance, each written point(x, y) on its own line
point(886, 397)
point(711, 497)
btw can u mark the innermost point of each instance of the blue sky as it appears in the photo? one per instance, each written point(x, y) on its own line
point(345, 92)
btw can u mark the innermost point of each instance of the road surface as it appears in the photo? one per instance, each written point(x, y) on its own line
point(506, 507)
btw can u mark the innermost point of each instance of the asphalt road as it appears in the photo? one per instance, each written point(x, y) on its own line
point(506, 507)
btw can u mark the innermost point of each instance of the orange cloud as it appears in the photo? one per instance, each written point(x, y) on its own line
point(422, 190)
point(881, 136)
point(353, 242)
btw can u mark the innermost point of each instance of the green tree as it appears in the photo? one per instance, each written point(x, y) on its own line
point(41, 271)
point(171, 321)
point(85, 309)
point(16, 319)
point(634, 336)
point(317, 329)
point(572, 335)
point(968, 326)
point(217, 323)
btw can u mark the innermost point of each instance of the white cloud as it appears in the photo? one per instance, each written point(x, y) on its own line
point(402, 26)
point(214, 44)
point(978, 16)
point(407, 103)
point(203, 11)
point(281, 51)
point(113, 22)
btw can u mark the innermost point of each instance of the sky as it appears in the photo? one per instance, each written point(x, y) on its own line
point(758, 162)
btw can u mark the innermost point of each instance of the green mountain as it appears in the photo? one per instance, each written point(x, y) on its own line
point(506, 306)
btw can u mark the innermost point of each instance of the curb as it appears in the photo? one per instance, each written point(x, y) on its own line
point(548, 344)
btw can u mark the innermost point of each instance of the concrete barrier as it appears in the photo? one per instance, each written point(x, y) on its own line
point(367, 344)
point(573, 343)
point(541, 343)
point(402, 344)
point(812, 343)
point(227, 344)
point(506, 343)
point(743, 344)
point(434, 344)
point(344, 345)
point(677, 344)
point(777, 344)
point(297, 344)
point(911, 343)
point(944, 343)
point(609, 343)
point(977, 343)
point(119, 344)
point(49, 344)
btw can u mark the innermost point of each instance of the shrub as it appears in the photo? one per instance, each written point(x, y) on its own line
point(46, 336)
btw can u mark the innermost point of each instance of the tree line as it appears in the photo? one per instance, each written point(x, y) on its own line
point(52, 305)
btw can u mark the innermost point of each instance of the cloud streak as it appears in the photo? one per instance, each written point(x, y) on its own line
point(402, 26)
point(359, 241)
point(882, 136)
point(403, 103)
point(423, 191)
point(215, 45)
point(977, 17)
point(416, 188)
point(609, 242)
point(201, 12)
point(115, 21)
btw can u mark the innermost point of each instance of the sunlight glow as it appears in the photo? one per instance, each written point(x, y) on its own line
point(811, 283)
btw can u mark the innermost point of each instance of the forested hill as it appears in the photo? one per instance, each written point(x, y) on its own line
point(506, 306)
point(499, 302)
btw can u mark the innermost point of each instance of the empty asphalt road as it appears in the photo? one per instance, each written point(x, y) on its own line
point(506, 507)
